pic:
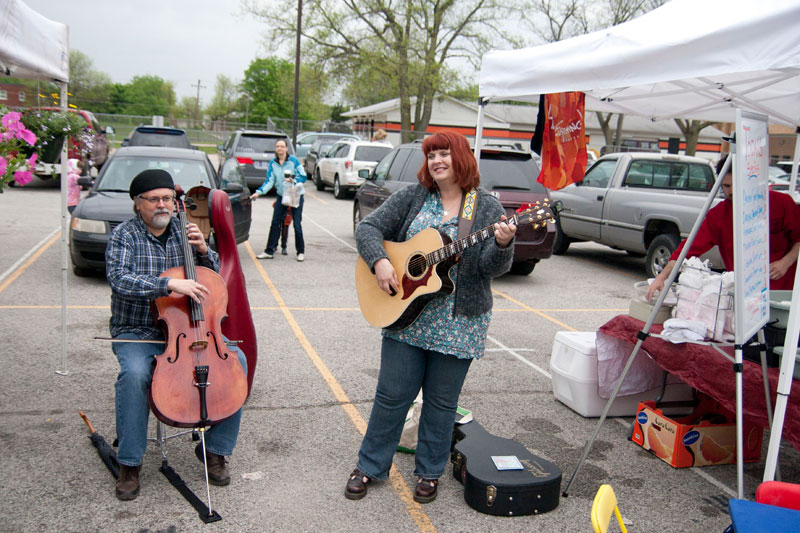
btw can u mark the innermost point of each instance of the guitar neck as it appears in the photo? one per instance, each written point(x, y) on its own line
point(456, 247)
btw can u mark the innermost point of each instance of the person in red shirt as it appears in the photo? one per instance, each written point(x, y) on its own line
point(717, 229)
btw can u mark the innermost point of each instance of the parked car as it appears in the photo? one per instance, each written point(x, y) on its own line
point(108, 203)
point(158, 136)
point(345, 158)
point(306, 139)
point(641, 202)
point(319, 150)
point(253, 149)
point(508, 173)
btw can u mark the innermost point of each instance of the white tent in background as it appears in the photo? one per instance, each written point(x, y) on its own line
point(699, 59)
point(32, 46)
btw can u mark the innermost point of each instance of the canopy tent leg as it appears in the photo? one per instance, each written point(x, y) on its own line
point(784, 379)
point(64, 229)
point(642, 335)
point(479, 129)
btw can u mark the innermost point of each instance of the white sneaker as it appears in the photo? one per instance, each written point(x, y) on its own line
point(301, 257)
point(264, 255)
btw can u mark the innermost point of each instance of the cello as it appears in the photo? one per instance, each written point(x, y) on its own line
point(197, 381)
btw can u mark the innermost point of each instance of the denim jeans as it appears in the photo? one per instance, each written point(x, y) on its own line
point(278, 215)
point(404, 369)
point(137, 363)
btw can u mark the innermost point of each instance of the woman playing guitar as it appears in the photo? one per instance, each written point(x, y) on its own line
point(434, 352)
point(139, 251)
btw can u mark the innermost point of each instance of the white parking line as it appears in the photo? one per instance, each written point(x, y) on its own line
point(505, 348)
point(25, 257)
point(326, 230)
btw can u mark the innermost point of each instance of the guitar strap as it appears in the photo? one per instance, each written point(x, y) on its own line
point(469, 203)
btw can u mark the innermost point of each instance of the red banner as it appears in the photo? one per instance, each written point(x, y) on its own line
point(564, 140)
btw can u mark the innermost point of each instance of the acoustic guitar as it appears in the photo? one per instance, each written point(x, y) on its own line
point(423, 264)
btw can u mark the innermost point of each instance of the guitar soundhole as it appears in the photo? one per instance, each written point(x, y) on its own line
point(416, 265)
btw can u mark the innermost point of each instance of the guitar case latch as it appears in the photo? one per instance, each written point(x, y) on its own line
point(491, 494)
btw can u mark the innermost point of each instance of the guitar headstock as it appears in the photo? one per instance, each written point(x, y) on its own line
point(538, 213)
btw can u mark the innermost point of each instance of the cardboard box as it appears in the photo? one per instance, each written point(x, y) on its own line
point(700, 439)
point(573, 365)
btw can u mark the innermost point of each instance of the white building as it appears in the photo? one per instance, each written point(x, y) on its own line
point(514, 124)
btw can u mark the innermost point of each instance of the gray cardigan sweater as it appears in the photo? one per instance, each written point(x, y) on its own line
point(479, 263)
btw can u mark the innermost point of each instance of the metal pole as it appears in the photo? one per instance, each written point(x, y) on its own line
point(297, 71)
point(479, 129)
point(64, 155)
point(711, 196)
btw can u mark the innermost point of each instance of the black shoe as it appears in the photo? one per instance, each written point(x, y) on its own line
point(425, 491)
point(218, 473)
point(357, 485)
point(127, 487)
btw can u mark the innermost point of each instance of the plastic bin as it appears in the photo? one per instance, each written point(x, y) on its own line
point(573, 364)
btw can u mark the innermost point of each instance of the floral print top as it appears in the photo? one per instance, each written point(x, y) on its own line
point(437, 328)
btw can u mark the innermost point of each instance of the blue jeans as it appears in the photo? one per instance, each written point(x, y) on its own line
point(404, 369)
point(137, 363)
point(278, 215)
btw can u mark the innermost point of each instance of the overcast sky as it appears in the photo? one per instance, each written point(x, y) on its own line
point(179, 40)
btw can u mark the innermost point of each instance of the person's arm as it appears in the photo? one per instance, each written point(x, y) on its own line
point(777, 269)
point(269, 182)
point(299, 171)
point(120, 261)
point(658, 282)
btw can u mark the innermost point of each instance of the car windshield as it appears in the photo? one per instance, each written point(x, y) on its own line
point(257, 144)
point(168, 139)
point(509, 172)
point(121, 170)
point(371, 153)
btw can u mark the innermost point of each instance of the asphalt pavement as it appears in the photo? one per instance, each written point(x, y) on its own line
point(312, 394)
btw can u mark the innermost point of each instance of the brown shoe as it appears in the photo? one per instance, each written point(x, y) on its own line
point(425, 491)
point(218, 473)
point(127, 487)
point(357, 485)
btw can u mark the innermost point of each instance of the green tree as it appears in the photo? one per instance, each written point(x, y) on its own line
point(270, 84)
point(149, 95)
point(225, 101)
point(89, 88)
point(391, 37)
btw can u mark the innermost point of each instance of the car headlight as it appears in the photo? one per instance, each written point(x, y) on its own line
point(88, 226)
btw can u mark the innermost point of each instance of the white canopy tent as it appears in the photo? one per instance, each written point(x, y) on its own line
point(699, 59)
point(32, 46)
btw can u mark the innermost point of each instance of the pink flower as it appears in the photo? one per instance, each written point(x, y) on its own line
point(3, 165)
point(32, 160)
point(23, 177)
point(26, 135)
point(11, 120)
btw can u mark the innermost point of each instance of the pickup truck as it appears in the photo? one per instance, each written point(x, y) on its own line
point(644, 203)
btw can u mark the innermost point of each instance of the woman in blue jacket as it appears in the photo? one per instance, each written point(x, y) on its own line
point(284, 170)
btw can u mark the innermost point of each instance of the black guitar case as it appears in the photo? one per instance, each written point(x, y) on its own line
point(533, 490)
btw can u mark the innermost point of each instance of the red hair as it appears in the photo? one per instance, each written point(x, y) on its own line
point(465, 167)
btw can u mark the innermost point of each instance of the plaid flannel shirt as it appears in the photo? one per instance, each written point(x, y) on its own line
point(135, 259)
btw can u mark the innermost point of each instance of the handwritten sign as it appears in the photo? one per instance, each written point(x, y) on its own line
point(751, 224)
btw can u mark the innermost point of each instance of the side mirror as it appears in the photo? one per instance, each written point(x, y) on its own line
point(109, 129)
point(126, 141)
point(85, 181)
point(234, 188)
point(364, 173)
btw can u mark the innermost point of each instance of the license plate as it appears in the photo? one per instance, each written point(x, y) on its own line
point(261, 164)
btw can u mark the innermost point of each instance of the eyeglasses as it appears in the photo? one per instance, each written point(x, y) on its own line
point(154, 200)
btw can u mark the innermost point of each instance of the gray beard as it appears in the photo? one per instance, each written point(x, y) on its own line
point(161, 220)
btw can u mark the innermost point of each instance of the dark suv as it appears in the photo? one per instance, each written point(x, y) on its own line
point(158, 136)
point(508, 173)
point(254, 150)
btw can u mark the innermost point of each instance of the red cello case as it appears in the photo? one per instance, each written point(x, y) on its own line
point(239, 324)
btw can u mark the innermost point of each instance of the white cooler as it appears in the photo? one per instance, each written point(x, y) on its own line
point(573, 364)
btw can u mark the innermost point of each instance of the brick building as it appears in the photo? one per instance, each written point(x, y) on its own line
point(15, 95)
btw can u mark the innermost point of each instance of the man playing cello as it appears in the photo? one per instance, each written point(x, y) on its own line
point(141, 249)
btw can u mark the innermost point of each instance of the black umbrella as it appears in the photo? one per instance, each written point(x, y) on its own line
point(106, 452)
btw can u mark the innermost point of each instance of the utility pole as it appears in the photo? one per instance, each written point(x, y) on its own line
point(297, 71)
point(197, 102)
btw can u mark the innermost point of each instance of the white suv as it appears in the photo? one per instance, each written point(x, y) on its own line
point(340, 167)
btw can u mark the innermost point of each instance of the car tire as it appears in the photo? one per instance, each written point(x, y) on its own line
point(356, 215)
point(523, 268)
point(318, 180)
point(338, 192)
point(82, 272)
point(561, 242)
point(658, 253)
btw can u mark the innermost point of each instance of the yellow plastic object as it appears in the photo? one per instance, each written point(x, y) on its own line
point(604, 505)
